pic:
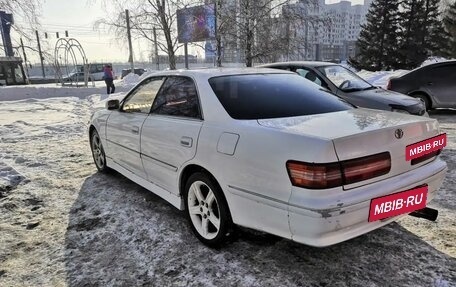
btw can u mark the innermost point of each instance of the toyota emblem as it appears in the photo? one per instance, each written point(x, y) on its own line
point(399, 133)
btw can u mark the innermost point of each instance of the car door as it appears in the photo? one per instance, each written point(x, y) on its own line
point(441, 84)
point(170, 133)
point(123, 129)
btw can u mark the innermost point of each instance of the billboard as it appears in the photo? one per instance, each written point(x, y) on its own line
point(196, 24)
point(209, 50)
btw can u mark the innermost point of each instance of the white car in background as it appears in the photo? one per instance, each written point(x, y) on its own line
point(95, 72)
point(268, 150)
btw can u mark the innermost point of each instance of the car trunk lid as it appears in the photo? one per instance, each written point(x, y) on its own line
point(362, 132)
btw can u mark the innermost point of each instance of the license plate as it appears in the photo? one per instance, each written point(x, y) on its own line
point(398, 203)
point(424, 147)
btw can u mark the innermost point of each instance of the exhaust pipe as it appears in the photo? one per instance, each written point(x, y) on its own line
point(426, 213)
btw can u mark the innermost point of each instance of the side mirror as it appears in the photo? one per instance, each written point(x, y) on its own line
point(113, 105)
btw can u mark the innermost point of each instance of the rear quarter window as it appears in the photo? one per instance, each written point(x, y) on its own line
point(263, 96)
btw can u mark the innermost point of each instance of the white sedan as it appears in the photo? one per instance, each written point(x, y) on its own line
point(268, 150)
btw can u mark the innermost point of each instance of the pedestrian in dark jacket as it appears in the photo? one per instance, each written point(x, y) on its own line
point(109, 79)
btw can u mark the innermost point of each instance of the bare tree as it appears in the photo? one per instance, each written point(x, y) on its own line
point(263, 30)
point(255, 22)
point(302, 23)
point(144, 16)
point(23, 9)
point(257, 30)
point(222, 22)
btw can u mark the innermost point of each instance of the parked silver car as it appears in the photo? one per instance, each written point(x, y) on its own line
point(349, 86)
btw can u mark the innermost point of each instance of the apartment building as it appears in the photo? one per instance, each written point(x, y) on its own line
point(312, 30)
point(324, 31)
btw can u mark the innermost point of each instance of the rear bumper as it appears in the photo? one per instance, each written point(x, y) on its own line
point(339, 217)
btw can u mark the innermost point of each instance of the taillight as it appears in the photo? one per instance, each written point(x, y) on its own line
point(315, 176)
point(364, 168)
point(328, 175)
point(388, 86)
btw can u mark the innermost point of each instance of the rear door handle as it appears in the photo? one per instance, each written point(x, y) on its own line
point(430, 83)
point(135, 130)
point(186, 141)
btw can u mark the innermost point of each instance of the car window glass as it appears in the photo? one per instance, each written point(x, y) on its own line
point(290, 68)
point(344, 79)
point(442, 72)
point(178, 97)
point(141, 99)
point(309, 75)
point(248, 97)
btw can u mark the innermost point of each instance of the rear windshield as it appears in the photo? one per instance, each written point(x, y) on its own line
point(265, 96)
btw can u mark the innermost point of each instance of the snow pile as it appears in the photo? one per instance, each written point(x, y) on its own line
point(46, 91)
point(13, 93)
point(432, 60)
point(130, 79)
point(380, 78)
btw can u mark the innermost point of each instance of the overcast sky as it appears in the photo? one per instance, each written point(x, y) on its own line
point(78, 18)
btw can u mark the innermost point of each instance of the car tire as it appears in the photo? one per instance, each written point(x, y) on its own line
point(207, 211)
point(98, 153)
point(425, 99)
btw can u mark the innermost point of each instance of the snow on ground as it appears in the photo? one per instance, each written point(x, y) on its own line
point(64, 224)
point(380, 78)
point(44, 91)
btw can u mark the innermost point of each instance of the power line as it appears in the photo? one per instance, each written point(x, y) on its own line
point(93, 43)
point(55, 28)
point(52, 29)
point(60, 25)
point(66, 25)
point(74, 28)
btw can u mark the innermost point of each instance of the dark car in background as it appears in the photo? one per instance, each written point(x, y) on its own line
point(138, 71)
point(435, 84)
point(349, 86)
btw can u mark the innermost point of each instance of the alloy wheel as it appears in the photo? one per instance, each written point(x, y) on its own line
point(98, 152)
point(204, 210)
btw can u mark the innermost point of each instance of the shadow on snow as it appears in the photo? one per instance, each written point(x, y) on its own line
point(121, 234)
